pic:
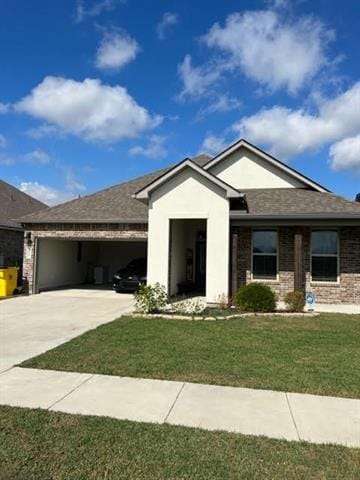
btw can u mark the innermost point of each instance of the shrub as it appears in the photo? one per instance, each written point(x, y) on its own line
point(150, 298)
point(191, 306)
point(295, 301)
point(256, 297)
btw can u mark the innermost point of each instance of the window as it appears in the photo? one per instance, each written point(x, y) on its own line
point(324, 256)
point(264, 254)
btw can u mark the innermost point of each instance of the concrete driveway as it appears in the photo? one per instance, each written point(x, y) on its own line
point(31, 325)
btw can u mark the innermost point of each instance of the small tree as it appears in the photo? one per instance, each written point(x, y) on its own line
point(256, 297)
point(150, 298)
point(295, 301)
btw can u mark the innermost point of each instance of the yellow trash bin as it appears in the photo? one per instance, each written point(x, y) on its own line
point(8, 281)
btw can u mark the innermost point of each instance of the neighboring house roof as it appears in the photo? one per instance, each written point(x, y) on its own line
point(295, 202)
point(112, 205)
point(307, 182)
point(14, 204)
point(144, 193)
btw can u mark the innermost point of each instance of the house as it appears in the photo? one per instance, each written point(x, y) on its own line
point(213, 223)
point(14, 204)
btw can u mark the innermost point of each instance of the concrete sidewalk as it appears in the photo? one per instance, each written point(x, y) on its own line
point(289, 416)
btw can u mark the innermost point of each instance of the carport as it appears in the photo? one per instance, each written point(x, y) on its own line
point(64, 262)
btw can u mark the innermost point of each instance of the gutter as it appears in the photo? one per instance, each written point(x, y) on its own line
point(241, 218)
point(10, 227)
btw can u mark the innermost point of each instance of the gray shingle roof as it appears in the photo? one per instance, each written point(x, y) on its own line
point(14, 204)
point(116, 204)
point(297, 201)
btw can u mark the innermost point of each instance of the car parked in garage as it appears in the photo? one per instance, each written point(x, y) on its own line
point(128, 279)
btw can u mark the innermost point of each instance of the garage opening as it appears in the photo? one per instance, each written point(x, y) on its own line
point(69, 263)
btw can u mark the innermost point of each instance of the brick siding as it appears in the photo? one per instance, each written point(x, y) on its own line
point(11, 247)
point(346, 291)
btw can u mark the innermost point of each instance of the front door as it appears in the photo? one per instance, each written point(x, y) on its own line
point(200, 265)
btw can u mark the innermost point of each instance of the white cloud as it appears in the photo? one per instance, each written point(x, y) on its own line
point(38, 156)
point(290, 132)
point(116, 49)
point(93, 10)
point(72, 184)
point(213, 144)
point(155, 148)
point(345, 154)
point(270, 49)
point(88, 109)
point(42, 131)
point(222, 103)
point(2, 141)
point(4, 107)
point(197, 80)
point(6, 160)
point(168, 19)
point(49, 195)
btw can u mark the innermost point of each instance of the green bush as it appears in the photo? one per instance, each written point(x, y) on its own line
point(150, 298)
point(295, 301)
point(256, 297)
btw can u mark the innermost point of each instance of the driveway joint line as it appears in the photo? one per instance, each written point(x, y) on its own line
point(174, 402)
point(292, 416)
point(71, 391)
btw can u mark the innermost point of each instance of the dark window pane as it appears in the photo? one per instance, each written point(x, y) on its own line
point(324, 269)
point(264, 266)
point(324, 242)
point(264, 242)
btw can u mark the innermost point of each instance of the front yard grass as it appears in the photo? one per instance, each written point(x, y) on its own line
point(53, 446)
point(319, 355)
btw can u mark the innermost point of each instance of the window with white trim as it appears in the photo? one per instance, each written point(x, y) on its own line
point(264, 254)
point(324, 256)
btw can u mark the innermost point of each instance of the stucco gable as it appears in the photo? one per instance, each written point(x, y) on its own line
point(245, 166)
point(186, 165)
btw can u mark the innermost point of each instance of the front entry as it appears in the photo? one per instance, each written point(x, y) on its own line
point(187, 256)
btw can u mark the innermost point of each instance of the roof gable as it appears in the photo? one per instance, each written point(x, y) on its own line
point(14, 203)
point(144, 193)
point(279, 174)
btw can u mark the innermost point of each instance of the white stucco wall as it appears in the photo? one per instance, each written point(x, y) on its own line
point(243, 169)
point(189, 195)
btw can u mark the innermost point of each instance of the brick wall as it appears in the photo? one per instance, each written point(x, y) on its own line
point(82, 231)
point(346, 291)
point(11, 247)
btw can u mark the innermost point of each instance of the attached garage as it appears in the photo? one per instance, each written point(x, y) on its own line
point(64, 244)
point(64, 262)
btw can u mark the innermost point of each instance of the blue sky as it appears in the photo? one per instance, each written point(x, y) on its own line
point(95, 92)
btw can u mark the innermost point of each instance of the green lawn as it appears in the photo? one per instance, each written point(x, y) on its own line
point(319, 355)
point(40, 445)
